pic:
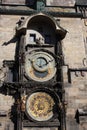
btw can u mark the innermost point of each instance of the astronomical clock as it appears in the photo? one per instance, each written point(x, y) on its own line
point(40, 108)
point(39, 72)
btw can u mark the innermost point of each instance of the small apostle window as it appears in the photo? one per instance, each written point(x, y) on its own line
point(32, 37)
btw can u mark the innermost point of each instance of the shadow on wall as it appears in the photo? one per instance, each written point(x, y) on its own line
point(12, 40)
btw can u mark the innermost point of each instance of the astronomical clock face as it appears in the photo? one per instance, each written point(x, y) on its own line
point(39, 106)
point(40, 66)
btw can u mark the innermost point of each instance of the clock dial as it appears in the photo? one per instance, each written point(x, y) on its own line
point(39, 106)
point(40, 66)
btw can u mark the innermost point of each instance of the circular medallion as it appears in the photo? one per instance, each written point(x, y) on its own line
point(39, 106)
point(40, 66)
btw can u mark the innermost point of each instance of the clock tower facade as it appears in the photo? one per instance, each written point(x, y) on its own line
point(40, 61)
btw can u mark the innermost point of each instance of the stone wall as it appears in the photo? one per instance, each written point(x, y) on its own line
point(61, 3)
point(75, 72)
point(73, 44)
point(7, 37)
point(48, 2)
point(75, 57)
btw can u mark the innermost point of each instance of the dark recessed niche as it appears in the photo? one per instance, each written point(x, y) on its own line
point(30, 2)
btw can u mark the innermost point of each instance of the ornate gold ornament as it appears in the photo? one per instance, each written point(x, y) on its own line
point(39, 106)
point(23, 102)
